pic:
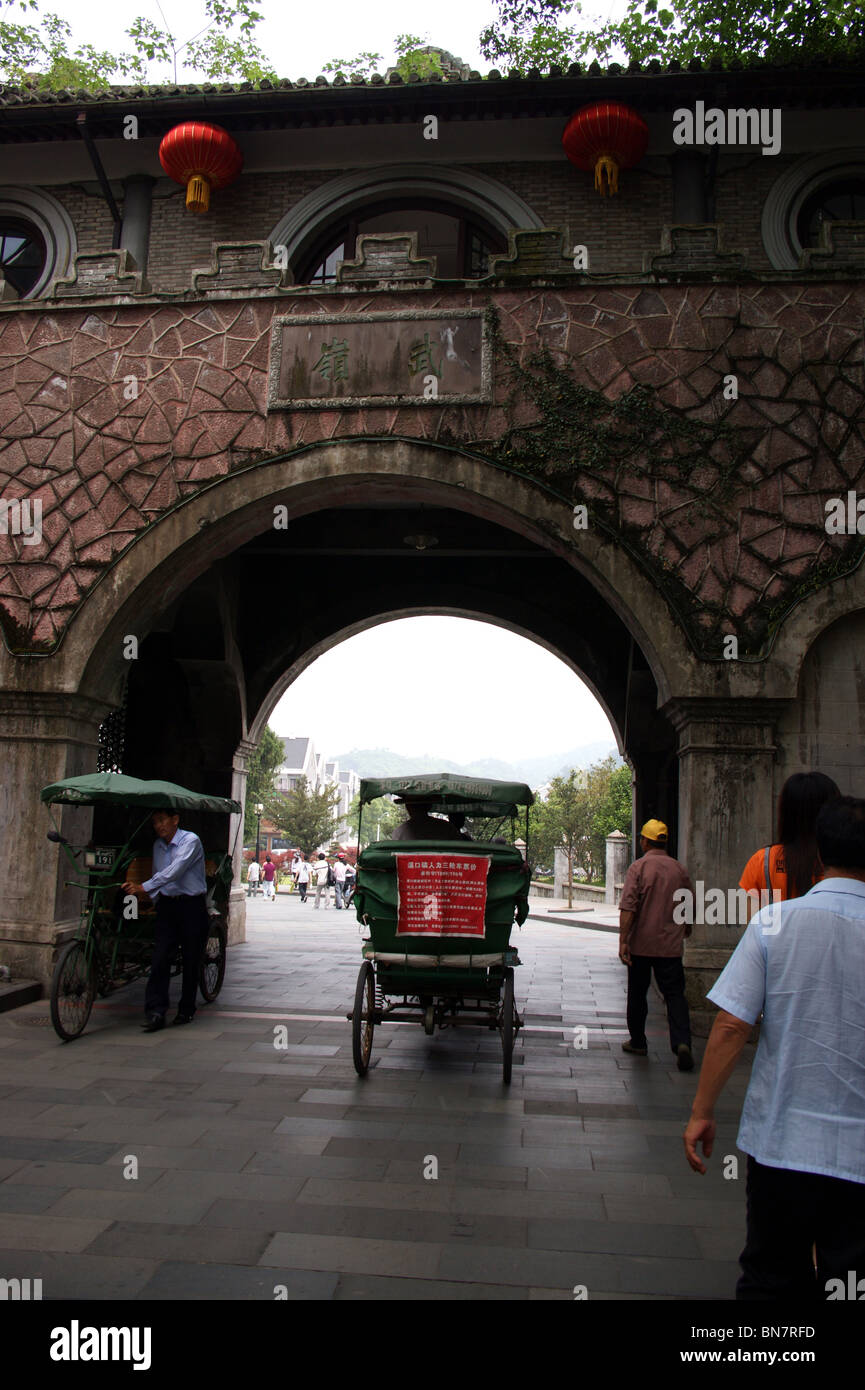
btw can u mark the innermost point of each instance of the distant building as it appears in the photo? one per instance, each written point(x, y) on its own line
point(301, 760)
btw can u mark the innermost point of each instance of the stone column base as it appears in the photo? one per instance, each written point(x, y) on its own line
point(30, 950)
point(236, 916)
point(703, 965)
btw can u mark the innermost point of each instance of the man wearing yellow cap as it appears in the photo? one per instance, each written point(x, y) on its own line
point(650, 939)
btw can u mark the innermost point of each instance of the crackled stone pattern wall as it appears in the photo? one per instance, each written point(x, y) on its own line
point(104, 467)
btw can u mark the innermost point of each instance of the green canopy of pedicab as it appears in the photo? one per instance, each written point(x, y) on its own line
point(115, 789)
point(474, 795)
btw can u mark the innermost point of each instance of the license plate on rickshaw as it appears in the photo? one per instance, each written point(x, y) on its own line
point(99, 858)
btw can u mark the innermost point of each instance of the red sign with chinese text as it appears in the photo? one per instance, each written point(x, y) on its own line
point(441, 894)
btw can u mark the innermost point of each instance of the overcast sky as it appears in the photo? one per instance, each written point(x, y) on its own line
point(300, 38)
point(446, 686)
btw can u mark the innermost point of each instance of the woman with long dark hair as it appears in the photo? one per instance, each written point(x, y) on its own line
point(792, 866)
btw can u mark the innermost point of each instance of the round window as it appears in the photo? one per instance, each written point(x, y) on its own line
point(827, 204)
point(22, 253)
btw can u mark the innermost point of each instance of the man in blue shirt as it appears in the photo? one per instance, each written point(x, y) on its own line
point(178, 887)
point(802, 964)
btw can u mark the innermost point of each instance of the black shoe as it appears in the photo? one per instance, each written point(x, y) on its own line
point(182, 1018)
point(685, 1061)
point(634, 1050)
point(154, 1023)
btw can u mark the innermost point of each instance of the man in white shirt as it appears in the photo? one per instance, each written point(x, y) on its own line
point(253, 877)
point(802, 964)
point(339, 880)
point(321, 870)
point(178, 887)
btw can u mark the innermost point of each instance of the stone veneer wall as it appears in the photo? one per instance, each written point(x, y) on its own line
point(105, 467)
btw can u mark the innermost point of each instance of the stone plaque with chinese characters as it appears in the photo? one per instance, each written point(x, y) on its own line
point(398, 358)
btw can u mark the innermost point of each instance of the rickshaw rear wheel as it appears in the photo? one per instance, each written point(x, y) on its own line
point(362, 1027)
point(507, 1025)
point(212, 969)
point(73, 989)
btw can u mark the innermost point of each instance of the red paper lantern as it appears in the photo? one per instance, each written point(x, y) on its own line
point(202, 157)
point(606, 137)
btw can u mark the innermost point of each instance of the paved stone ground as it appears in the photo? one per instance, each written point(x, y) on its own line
point(260, 1167)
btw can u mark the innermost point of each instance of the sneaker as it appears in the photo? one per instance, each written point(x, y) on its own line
point(634, 1050)
point(685, 1061)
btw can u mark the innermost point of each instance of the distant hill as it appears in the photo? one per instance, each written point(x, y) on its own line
point(382, 762)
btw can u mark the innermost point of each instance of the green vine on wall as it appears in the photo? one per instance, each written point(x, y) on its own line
point(564, 432)
point(579, 431)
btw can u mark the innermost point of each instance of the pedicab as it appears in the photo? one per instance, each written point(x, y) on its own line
point(114, 942)
point(439, 914)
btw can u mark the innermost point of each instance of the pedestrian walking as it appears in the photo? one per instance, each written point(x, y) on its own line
point(791, 867)
point(321, 874)
point(350, 882)
point(651, 940)
point(339, 882)
point(801, 963)
point(297, 860)
point(178, 886)
point(253, 878)
point(304, 874)
point(268, 873)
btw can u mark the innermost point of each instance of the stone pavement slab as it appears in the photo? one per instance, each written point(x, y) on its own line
point(266, 1172)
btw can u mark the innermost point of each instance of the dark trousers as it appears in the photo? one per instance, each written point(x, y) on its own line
point(788, 1214)
point(183, 922)
point(670, 976)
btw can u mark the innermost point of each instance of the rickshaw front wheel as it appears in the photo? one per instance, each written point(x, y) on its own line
point(363, 1018)
point(72, 992)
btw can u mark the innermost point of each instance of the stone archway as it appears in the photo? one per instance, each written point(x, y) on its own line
point(593, 607)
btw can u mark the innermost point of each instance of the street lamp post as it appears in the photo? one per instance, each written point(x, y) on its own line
point(259, 808)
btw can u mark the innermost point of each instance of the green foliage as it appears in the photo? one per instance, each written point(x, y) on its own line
point(364, 65)
point(27, 49)
point(410, 59)
point(307, 819)
point(580, 811)
point(380, 818)
point(530, 33)
point(223, 48)
point(259, 775)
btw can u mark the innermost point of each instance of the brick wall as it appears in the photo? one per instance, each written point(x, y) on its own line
point(616, 230)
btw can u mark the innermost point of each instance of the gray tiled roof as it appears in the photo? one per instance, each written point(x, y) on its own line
point(11, 96)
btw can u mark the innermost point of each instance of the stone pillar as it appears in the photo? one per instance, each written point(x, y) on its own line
point(237, 902)
point(727, 755)
point(44, 737)
point(618, 846)
point(135, 232)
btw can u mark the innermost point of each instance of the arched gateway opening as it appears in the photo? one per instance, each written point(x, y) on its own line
point(269, 568)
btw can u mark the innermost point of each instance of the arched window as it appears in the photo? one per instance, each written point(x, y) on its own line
point(22, 253)
point(37, 240)
point(461, 245)
point(814, 190)
point(461, 217)
point(831, 201)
